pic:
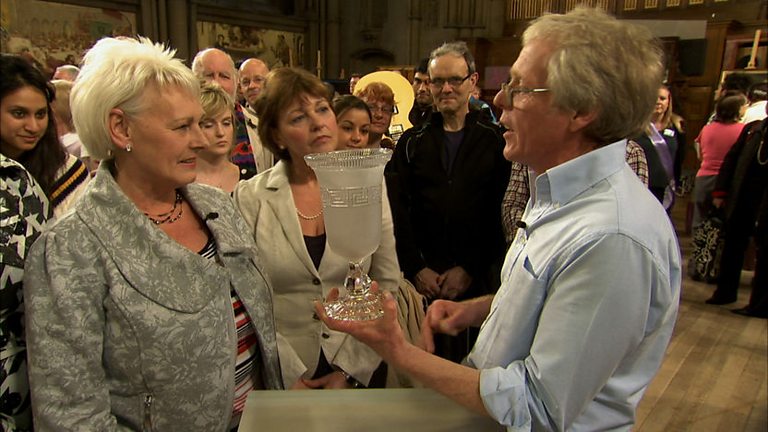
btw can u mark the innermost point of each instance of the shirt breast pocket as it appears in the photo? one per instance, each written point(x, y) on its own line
point(523, 291)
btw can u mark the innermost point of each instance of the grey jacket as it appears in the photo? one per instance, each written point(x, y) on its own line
point(127, 329)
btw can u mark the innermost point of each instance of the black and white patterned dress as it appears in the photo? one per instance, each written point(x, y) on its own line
point(23, 212)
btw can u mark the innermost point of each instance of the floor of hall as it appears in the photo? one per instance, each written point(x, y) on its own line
point(714, 375)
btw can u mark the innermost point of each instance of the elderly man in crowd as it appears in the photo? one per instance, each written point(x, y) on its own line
point(213, 64)
point(66, 73)
point(591, 284)
point(253, 72)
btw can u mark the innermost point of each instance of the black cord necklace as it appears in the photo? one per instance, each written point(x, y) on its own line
point(171, 216)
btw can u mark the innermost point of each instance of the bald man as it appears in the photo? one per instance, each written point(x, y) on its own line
point(66, 73)
point(253, 72)
point(214, 65)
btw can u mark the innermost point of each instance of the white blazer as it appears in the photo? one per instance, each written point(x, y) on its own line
point(267, 204)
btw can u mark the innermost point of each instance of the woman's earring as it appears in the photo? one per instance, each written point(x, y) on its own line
point(128, 148)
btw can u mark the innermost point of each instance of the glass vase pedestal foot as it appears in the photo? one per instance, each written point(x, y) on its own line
point(359, 303)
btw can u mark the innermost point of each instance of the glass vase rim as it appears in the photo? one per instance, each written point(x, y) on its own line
point(349, 158)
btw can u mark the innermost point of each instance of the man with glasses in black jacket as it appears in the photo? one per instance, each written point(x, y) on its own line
point(445, 182)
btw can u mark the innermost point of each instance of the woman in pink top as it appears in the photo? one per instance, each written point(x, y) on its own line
point(712, 144)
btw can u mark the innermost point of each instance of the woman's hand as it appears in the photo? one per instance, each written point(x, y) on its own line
point(299, 385)
point(334, 380)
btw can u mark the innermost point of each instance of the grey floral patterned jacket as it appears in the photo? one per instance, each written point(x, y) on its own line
point(128, 330)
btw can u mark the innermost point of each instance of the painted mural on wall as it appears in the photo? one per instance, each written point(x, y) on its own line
point(51, 34)
point(276, 48)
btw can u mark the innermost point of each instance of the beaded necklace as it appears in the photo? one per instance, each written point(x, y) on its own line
point(171, 216)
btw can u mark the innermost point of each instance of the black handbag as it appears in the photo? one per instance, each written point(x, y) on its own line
point(708, 240)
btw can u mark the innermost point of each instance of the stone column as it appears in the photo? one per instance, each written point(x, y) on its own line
point(175, 26)
point(331, 50)
point(414, 17)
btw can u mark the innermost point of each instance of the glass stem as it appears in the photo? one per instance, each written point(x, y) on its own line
point(358, 282)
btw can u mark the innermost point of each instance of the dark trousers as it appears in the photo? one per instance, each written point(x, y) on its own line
point(739, 228)
point(758, 299)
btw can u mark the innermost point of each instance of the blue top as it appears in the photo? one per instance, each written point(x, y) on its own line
point(588, 300)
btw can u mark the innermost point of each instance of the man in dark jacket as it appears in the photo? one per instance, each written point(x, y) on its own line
point(422, 96)
point(446, 181)
point(742, 189)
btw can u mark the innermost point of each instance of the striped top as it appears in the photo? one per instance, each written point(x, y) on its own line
point(247, 347)
point(71, 181)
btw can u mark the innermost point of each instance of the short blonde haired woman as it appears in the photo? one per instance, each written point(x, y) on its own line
point(147, 308)
point(214, 166)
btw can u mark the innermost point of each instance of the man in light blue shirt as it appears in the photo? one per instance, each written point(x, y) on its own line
point(591, 284)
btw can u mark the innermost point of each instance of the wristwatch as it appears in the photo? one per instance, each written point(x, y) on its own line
point(350, 379)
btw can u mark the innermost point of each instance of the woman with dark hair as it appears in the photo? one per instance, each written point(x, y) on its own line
point(741, 191)
point(284, 211)
point(712, 144)
point(354, 119)
point(28, 133)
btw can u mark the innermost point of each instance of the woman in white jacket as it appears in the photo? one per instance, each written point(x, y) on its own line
point(283, 209)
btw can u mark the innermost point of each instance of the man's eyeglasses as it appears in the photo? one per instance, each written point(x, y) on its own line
point(510, 91)
point(453, 82)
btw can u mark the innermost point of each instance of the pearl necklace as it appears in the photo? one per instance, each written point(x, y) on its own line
point(305, 217)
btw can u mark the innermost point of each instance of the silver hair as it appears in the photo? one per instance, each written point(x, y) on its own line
point(70, 70)
point(456, 48)
point(600, 64)
point(116, 73)
point(197, 62)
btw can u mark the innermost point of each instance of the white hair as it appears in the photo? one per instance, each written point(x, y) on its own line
point(115, 74)
point(601, 64)
point(197, 62)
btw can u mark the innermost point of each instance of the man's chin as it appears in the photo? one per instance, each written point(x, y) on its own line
point(423, 102)
point(511, 152)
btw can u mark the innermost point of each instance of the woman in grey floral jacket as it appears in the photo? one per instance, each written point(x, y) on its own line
point(147, 308)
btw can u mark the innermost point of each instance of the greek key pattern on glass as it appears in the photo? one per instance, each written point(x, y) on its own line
point(351, 197)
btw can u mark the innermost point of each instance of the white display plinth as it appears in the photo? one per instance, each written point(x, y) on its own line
point(367, 410)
